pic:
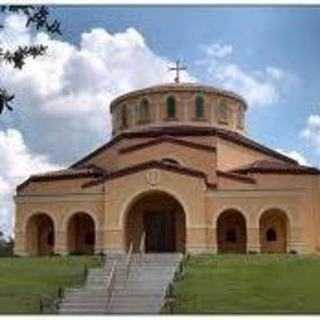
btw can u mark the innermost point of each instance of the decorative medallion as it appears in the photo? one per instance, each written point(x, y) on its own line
point(153, 177)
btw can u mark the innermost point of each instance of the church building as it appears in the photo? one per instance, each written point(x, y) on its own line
point(180, 174)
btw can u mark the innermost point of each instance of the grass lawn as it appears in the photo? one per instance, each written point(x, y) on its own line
point(250, 284)
point(24, 280)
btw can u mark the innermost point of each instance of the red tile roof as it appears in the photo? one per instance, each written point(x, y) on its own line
point(85, 172)
point(186, 131)
point(150, 164)
point(274, 166)
point(169, 139)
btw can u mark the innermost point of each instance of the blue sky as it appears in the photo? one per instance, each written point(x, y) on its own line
point(285, 37)
point(267, 54)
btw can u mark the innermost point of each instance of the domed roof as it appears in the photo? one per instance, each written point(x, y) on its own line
point(193, 87)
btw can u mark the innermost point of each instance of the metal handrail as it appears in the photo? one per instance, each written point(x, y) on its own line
point(142, 243)
point(129, 260)
point(111, 283)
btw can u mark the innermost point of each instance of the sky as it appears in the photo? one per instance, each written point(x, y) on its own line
point(269, 55)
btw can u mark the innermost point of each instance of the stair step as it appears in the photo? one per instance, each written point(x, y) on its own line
point(142, 291)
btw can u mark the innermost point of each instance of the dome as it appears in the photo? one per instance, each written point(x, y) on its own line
point(178, 104)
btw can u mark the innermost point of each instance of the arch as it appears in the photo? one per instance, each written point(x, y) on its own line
point(171, 107)
point(144, 111)
point(199, 107)
point(81, 233)
point(161, 217)
point(273, 226)
point(40, 235)
point(231, 232)
point(223, 112)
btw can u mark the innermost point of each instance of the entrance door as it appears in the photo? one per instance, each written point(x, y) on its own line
point(160, 231)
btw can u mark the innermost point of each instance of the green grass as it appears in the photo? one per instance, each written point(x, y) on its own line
point(23, 281)
point(231, 284)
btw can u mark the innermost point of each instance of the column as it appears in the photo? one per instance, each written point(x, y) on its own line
point(253, 240)
point(20, 243)
point(61, 242)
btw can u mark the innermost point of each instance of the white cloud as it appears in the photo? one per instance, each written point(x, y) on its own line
point(258, 87)
point(296, 156)
point(71, 86)
point(17, 163)
point(216, 50)
point(311, 132)
point(62, 98)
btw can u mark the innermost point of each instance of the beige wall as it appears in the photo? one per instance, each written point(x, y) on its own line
point(185, 110)
point(295, 195)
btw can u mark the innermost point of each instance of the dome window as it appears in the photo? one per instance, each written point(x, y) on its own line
point(199, 108)
point(223, 112)
point(144, 112)
point(171, 108)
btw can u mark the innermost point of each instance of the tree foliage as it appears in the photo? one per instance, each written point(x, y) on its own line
point(6, 246)
point(37, 17)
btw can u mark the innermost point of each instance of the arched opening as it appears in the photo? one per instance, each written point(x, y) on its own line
point(144, 112)
point(171, 107)
point(81, 234)
point(161, 218)
point(223, 112)
point(231, 232)
point(273, 231)
point(40, 235)
point(199, 107)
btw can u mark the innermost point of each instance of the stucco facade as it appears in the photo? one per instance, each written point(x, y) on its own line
point(179, 174)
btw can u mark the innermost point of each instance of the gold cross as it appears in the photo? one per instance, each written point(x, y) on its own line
point(177, 69)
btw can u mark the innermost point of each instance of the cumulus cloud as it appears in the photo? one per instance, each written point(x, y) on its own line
point(63, 97)
point(17, 163)
point(296, 156)
point(311, 132)
point(259, 87)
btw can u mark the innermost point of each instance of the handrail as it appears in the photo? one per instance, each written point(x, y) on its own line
point(142, 244)
point(129, 260)
point(111, 282)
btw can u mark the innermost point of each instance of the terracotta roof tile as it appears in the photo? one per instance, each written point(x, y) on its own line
point(185, 131)
point(274, 166)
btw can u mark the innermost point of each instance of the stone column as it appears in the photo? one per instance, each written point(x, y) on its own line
point(113, 241)
point(99, 245)
point(196, 240)
point(20, 243)
point(61, 242)
point(212, 240)
point(294, 241)
point(253, 240)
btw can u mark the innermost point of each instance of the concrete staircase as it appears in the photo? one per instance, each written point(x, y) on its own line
point(142, 290)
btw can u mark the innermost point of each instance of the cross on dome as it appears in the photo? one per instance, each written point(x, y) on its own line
point(177, 69)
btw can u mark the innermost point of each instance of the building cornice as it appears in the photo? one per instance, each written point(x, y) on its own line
point(186, 131)
point(168, 139)
point(150, 165)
